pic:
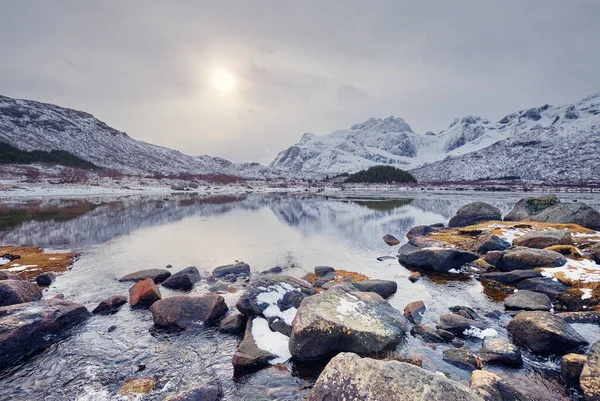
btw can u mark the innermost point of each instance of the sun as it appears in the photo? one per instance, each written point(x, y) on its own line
point(223, 81)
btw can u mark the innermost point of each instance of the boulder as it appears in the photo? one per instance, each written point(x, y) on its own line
point(512, 277)
point(350, 377)
point(45, 279)
point(239, 268)
point(457, 324)
point(491, 387)
point(544, 239)
point(528, 300)
point(544, 333)
point(183, 280)
point(321, 271)
point(385, 288)
point(474, 213)
point(544, 285)
point(208, 392)
point(522, 258)
point(110, 305)
point(418, 231)
point(462, 358)
point(589, 381)
point(144, 293)
point(157, 275)
point(4, 275)
point(571, 366)
point(18, 291)
point(574, 213)
point(425, 242)
point(188, 312)
point(436, 259)
point(27, 327)
point(493, 257)
point(489, 242)
point(390, 240)
point(249, 355)
point(339, 321)
point(428, 334)
point(414, 311)
point(499, 351)
point(274, 296)
point(233, 323)
point(528, 207)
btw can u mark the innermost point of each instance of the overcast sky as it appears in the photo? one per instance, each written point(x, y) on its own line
point(148, 67)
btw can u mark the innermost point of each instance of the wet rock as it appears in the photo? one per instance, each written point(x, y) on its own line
point(385, 288)
point(157, 275)
point(414, 311)
point(110, 305)
point(27, 327)
point(464, 311)
point(338, 321)
point(512, 277)
point(544, 285)
point(428, 334)
point(436, 259)
point(571, 366)
point(522, 258)
point(529, 207)
point(350, 377)
point(418, 231)
point(580, 317)
point(183, 280)
point(208, 392)
point(474, 213)
point(233, 323)
point(491, 387)
point(45, 279)
point(4, 275)
point(18, 291)
point(237, 269)
point(186, 312)
point(248, 355)
point(276, 269)
point(462, 358)
point(489, 242)
point(544, 239)
point(280, 326)
point(274, 296)
point(528, 300)
point(589, 381)
point(390, 240)
point(544, 333)
point(144, 293)
point(414, 277)
point(499, 351)
point(457, 324)
point(134, 385)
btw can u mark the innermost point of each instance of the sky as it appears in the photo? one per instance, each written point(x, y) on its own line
point(245, 79)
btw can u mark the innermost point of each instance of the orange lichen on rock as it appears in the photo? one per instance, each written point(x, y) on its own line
point(30, 261)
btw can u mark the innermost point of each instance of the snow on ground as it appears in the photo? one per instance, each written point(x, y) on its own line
point(585, 271)
point(272, 296)
point(270, 341)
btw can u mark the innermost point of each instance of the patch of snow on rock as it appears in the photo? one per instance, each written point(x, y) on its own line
point(270, 341)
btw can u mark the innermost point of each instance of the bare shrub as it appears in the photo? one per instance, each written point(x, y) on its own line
point(73, 175)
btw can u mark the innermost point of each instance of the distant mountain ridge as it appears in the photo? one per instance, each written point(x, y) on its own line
point(548, 143)
point(29, 126)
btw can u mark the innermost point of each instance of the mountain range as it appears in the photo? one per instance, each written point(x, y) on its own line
point(547, 143)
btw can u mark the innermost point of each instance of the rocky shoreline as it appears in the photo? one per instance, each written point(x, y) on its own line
point(540, 261)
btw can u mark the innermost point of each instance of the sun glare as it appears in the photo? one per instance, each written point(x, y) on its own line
point(223, 81)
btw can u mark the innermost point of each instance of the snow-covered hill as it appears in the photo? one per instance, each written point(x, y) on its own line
point(553, 143)
point(30, 125)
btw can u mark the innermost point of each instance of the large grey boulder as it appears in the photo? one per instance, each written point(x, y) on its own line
point(544, 333)
point(512, 277)
point(492, 387)
point(589, 380)
point(523, 258)
point(157, 275)
point(437, 259)
point(474, 213)
point(350, 377)
point(183, 279)
point(385, 288)
point(528, 300)
point(188, 312)
point(18, 291)
point(544, 239)
point(27, 327)
point(528, 207)
point(340, 321)
point(544, 285)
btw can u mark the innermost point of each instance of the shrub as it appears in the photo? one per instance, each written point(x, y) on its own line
point(381, 174)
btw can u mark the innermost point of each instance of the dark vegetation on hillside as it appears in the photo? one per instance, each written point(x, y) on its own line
point(11, 155)
point(381, 174)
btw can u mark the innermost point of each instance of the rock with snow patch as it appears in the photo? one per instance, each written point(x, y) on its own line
point(187, 312)
point(436, 259)
point(157, 275)
point(474, 213)
point(385, 288)
point(260, 346)
point(18, 291)
point(528, 300)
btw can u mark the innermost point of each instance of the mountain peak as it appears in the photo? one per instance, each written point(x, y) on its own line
point(384, 126)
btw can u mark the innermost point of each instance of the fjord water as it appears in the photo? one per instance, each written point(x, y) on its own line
point(116, 236)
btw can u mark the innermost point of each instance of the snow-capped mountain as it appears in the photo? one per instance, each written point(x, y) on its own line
point(30, 125)
point(554, 143)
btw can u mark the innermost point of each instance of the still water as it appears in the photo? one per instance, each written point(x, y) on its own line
point(116, 236)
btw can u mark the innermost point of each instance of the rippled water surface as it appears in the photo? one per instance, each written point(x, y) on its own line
point(116, 236)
